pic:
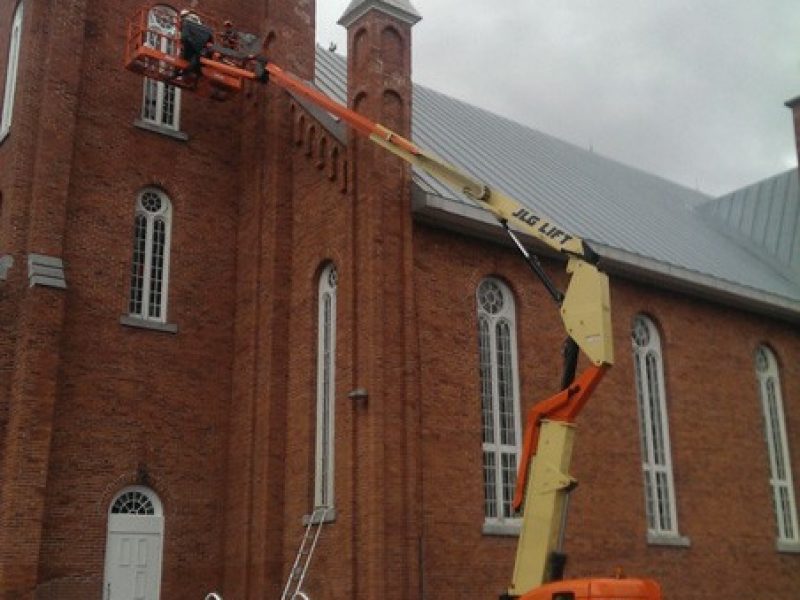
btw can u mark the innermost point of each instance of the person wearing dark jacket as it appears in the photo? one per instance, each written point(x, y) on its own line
point(196, 38)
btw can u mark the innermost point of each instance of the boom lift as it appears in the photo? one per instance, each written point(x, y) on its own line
point(190, 52)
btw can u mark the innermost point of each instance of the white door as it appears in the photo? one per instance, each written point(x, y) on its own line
point(133, 548)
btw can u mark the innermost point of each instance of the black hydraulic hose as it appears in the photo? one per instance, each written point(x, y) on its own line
point(570, 349)
point(535, 265)
point(570, 353)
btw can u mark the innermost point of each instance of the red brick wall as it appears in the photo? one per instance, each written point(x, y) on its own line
point(717, 431)
point(111, 405)
point(253, 554)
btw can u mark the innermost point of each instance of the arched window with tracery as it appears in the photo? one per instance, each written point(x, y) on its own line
point(133, 502)
point(659, 484)
point(769, 385)
point(326, 387)
point(161, 102)
point(500, 409)
point(150, 263)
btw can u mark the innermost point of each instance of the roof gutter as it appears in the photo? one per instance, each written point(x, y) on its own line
point(472, 220)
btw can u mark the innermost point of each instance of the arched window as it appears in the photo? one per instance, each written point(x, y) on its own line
point(769, 384)
point(134, 543)
point(161, 102)
point(133, 501)
point(497, 347)
point(326, 380)
point(11, 72)
point(659, 485)
point(150, 264)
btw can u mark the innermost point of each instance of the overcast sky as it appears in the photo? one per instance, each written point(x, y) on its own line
point(692, 91)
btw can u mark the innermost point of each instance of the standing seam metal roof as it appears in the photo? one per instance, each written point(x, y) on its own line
point(764, 216)
point(603, 201)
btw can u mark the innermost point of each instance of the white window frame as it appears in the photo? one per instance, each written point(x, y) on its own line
point(159, 91)
point(777, 440)
point(326, 390)
point(11, 72)
point(501, 442)
point(659, 483)
point(143, 275)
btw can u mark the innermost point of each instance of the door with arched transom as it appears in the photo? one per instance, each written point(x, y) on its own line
point(134, 545)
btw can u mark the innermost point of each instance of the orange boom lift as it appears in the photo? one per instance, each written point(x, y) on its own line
point(195, 53)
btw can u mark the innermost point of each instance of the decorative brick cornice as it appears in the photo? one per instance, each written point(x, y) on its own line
point(319, 144)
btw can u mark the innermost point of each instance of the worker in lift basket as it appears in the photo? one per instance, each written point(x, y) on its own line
point(196, 39)
point(230, 37)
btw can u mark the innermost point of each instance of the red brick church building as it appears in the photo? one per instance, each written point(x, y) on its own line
point(215, 317)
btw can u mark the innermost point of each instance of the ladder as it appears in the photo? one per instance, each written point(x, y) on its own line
point(303, 559)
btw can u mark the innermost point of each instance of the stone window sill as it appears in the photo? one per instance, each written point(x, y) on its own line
point(678, 541)
point(788, 547)
point(147, 126)
point(507, 529)
point(330, 517)
point(130, 321)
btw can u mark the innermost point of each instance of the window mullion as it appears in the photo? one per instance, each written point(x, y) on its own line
point(498, 440)
point(787, 480)
point(160, 91)
point(650, 458)
point(147, 270)
point(671, 497)
point(649, 463)
point(769, 430)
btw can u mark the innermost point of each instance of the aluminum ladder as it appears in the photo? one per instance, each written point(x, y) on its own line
point(303, 559)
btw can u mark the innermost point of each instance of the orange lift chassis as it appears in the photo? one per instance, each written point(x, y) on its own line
point(190, 51)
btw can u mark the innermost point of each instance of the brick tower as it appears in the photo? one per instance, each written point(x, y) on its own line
point(139, 226)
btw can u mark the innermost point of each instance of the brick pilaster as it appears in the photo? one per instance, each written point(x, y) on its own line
point(384, 354)
point(254, 531)
point(34, 386)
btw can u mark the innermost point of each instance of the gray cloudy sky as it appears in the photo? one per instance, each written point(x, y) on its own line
point(691, 90)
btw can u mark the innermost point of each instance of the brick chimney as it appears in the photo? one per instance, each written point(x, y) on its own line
point(794, 105)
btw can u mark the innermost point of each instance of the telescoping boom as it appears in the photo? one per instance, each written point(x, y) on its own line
point(187, 55)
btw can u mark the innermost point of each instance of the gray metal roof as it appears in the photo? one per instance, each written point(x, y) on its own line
point(765, 217)
point(640, 223)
